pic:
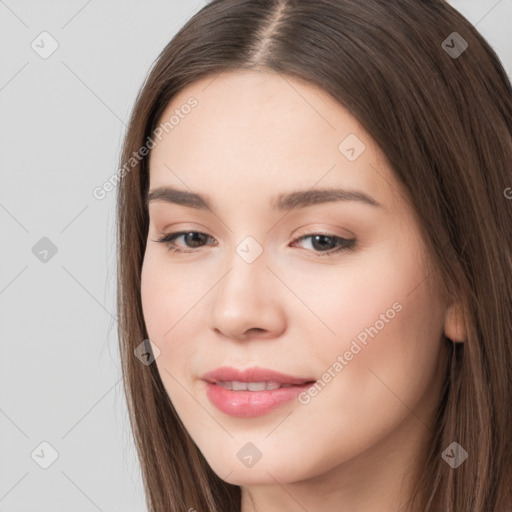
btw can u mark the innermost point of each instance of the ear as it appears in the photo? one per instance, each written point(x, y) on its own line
point(454, 327)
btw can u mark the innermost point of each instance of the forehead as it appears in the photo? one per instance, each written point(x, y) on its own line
point(264, 131)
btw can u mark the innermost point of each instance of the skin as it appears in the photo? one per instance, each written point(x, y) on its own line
point(353, 447)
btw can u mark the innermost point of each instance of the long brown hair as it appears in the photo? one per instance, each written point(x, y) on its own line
point(439, 105)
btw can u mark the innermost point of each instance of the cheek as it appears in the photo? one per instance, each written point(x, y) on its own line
point(395, 367)
point(163, 297)
point(166, 294)
point(359, 298)
point(388, 334)
point(169, 296)
point(384, 331)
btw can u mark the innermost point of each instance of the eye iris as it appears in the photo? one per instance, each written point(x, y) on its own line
point(323, 238)
point(193, 237)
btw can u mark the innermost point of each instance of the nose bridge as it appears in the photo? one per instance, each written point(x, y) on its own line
point(248, 271)
point(243, 300)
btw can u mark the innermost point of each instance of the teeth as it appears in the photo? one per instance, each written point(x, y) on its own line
point(257, 386)
point(238, 386)
point(251, 386)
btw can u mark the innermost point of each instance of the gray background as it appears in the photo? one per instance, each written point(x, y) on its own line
point(62, 120)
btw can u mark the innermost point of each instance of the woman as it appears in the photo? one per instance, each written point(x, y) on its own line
point(315, 271)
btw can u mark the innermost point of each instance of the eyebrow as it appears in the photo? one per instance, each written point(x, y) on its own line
point(283, 202)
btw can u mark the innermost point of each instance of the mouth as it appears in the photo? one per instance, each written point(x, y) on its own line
point(255, 386)
point(252, 392)
point(253, 377)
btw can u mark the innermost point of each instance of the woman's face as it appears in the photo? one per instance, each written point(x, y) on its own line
point(269, 282)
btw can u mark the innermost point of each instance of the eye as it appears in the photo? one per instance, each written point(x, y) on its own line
point(322, 245)
point(189, 237)
point(327, 245)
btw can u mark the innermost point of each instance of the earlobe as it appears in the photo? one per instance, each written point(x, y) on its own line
point(454, 327)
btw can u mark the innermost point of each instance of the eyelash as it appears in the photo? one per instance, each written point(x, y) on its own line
point(345, 244)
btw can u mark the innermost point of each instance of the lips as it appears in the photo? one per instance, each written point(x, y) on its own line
point(254, 375)
point(251, 392)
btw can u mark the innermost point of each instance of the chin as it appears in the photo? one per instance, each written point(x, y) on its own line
point(261, 473)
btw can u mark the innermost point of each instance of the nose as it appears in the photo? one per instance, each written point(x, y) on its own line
point(248, 302)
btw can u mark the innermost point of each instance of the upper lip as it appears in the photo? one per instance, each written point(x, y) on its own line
point(254, 374)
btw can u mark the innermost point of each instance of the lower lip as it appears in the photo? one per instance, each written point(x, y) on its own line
point(248, 404)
